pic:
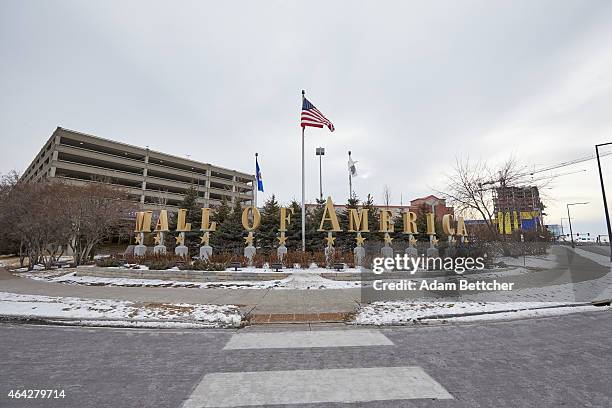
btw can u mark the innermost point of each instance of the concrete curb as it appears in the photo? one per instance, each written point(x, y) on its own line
point(451, 315)
point(418, 320)
point(109, 322)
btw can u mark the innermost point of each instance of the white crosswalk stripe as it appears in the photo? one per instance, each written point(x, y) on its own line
point(230, 389)
point(308, 339)
point(315, 386)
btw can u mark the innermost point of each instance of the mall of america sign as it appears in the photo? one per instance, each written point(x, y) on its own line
point(251, 218)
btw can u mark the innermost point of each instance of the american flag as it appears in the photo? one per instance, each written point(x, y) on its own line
point(312, 117)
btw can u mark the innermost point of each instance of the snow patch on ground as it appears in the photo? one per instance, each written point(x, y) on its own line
point(129, 313)
point(404, 312)
point(301, 280)
point(37, 267)
point(525, 314)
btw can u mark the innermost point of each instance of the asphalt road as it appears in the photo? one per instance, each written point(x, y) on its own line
point(556, 361)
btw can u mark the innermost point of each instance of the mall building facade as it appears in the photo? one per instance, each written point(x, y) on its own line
point(153, 179)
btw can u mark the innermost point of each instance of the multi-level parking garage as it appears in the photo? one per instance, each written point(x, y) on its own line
point(151, 178)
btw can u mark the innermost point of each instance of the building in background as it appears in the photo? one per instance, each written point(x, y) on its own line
point(437, 205)
point(556, 231)
point(518, 208)
point(151, 178)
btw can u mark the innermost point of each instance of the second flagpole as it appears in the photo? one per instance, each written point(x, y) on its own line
point(303, 189)
point(350, 177)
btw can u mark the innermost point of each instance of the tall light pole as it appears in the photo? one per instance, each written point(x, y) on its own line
point(569, 218)
point(320, 153)
point(603, 193)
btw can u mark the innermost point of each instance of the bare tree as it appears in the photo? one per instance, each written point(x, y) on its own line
point(33, 214)
point(8, 181)
point(8, 243)
point(95, 211)
point(46, 217)
point(471, 185)
point(386, 195)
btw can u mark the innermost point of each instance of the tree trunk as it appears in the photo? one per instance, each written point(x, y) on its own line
point(88, 248)
point(21, 254)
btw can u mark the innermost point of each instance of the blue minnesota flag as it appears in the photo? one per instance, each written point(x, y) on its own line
point(258, 176)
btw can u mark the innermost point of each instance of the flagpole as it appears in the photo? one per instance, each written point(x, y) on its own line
point(303, 189)
point(350, 179)
point(256, 182)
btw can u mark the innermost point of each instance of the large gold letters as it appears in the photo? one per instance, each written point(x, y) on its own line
point(285, 218)
point(386, 224)
point(181, 224)
point(162, 222)
point(410, 225)
point(461, 230)
point(329, 214)
point(358, 220)
point(206, 224)
point(446, 224)
point(256, 218)
point(431, 223)
point(143, 221)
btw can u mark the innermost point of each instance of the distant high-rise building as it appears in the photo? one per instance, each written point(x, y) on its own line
point(520, 207)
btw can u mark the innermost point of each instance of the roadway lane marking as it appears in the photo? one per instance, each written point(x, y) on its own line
point(307, 339)
point(314, 386)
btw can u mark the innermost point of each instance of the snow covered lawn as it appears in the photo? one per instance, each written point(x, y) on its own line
point(403, 313)
point(119, 313)
point(302, 280)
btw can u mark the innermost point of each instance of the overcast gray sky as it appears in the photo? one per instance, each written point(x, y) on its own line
point(408, 85)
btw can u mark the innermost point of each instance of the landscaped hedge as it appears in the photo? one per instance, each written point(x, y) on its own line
point(202, 265)
point(109, 262)
point(221, 261)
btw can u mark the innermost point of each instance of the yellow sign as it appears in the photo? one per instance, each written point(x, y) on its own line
point(181, 224)
point(206, 224)
point(255, 215)
point(358, 222)
point(329, 214)
point(162, 222)
point(285, 218)
point(143, 221)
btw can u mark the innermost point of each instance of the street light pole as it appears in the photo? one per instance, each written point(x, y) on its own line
point(569, 219)
point(320, 152)
point(603, 193)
